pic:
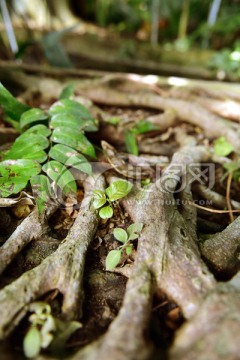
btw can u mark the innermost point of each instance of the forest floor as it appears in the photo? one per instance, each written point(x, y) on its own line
point(177, 295)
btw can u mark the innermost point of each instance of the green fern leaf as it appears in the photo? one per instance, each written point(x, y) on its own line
point(61, 176)
point(70, 157)
point(74, 139)
point(15, 174)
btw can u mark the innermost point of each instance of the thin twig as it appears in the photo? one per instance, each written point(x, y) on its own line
point(213, 210)
point(228, 197)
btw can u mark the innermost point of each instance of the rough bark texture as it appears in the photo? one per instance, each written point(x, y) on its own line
point(222, 250)
point(66, 267)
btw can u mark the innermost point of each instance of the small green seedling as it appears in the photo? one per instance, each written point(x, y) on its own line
point(117, 190)
point(114, 256)
point(222, 147)
point(45, 330)
point(130, 134)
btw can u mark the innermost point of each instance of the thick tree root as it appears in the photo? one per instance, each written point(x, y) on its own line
point(213, 333)
point(168, 254)
point(216, 199)
point(169, 238)
point(167, 260)
point(222, 251)
point(126, 338)
point(33, 227)
point(113, 92)
point(63, 270)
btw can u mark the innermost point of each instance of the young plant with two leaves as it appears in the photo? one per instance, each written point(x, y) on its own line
point(104, 200)
point(125, 237)
point(50, 144)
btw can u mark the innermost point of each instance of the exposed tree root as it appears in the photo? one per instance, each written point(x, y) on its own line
point(113, 92)
point(126, 337)
point(168, 260)
point(213, 332)
point(32, 227)
point(222, 250)
point(168, 255)
point(217, 200)
point(63, 270)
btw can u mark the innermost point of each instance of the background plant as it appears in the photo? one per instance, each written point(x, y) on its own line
point(130, 134)
point(125, 237)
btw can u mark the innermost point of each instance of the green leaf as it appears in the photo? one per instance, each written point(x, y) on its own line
point(61, 176)
point(112, 259)
point(32, 343)
point(74, 139)
point(67, 120)
point(74, 108)
point(42, 191)
point(113, 120)
point(106, 212)
point(64, 331)
point(31, 116)
point(144, 126)
point(118, 189)
point(15, 174)
point(232, 166)
point(67, 91)
point(129, 249)
point(133, 229)
point(99, 199)
point(120, 234)
point(70, 157)
point(12, 107)
point(222, 147)
point(37, 130)
point(28, 147)
point(131, 142)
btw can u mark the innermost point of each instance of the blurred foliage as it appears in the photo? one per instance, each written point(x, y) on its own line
point(134, 19)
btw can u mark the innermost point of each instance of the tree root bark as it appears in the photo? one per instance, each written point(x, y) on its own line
point(32, 227)
point(222, 251)
point(126, 337)
point(213, 332)
point(169, 261)
point(63, 270)
point(113, 92)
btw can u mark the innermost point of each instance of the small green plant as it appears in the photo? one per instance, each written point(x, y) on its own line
point(51, 143)
point(130, 135)
point(125, 237)
point(234, 168)
point(222, 147)
point(45, 330)
point(117, 190)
